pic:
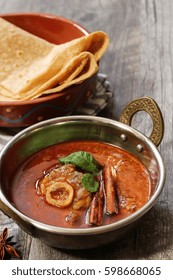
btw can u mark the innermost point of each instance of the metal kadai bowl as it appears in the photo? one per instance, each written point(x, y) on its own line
point(58, 130)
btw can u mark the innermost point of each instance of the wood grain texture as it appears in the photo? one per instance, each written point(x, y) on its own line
point(139, 62)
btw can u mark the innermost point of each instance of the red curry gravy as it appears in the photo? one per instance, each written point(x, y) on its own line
point(132, 183)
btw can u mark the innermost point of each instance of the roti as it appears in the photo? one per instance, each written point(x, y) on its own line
point(31, 67)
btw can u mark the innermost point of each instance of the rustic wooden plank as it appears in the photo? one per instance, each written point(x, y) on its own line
point(139, 62)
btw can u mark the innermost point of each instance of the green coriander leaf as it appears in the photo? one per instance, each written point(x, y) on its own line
point(83, 160)
point(89, 182)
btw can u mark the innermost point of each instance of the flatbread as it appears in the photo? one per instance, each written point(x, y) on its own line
point(31, 66)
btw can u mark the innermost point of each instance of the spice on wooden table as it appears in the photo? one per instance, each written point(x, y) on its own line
point(6, 245)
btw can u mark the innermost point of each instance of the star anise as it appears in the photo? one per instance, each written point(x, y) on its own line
point(6, 245)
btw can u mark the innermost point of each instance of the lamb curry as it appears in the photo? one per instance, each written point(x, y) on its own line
point(80, 184)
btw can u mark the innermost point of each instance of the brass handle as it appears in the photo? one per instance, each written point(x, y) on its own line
point(148, 105)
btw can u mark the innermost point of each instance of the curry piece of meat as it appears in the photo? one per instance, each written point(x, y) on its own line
point(67, 174)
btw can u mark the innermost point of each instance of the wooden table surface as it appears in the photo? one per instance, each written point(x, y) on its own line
point(139, 62)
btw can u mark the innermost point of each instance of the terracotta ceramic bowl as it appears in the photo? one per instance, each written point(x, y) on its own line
point(55, 30)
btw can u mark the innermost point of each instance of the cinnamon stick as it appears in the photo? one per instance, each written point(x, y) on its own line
point(97, 206)
point(93, 215)
point(110, 192)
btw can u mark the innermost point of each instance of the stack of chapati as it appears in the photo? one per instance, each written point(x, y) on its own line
point(31, 67)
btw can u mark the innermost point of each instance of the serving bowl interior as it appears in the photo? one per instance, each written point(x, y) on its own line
point(57, 30)
point(63, 129)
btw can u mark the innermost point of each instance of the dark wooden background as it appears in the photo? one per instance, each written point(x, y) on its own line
point(139, 62)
